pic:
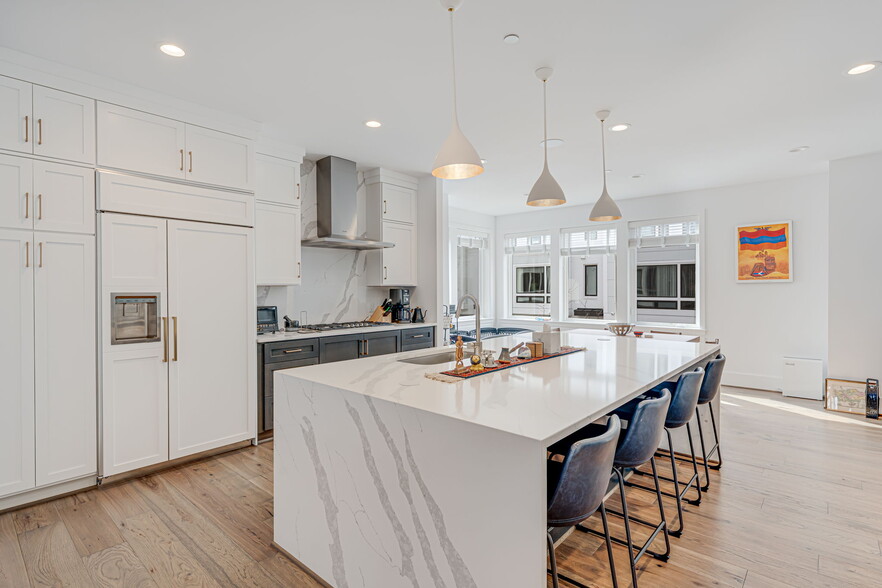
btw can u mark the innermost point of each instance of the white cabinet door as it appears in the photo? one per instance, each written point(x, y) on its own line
point(16, 362)
point(16, 192)
point(65, 379)
point(65, 198)
point(134, 407)
point(277, 241)
point(399, 204)
point(65, 125)
point(15, 115)
point(212, 374)
point(134, 140)
point(277, 180)
point(399, 262)
point(219, 158)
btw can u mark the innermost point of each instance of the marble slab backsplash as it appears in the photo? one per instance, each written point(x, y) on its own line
point(334, 285)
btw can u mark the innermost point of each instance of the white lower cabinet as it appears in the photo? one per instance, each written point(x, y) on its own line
point(16, 362)
point(65, 382)
point(195, 388)
point(277, 233)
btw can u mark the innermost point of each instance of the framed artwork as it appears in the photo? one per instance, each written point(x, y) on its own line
point(846, 396)
point(765, 253)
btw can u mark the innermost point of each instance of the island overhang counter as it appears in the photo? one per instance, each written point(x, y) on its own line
point(384, 477)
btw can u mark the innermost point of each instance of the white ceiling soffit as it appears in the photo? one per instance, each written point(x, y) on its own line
point(717, 92)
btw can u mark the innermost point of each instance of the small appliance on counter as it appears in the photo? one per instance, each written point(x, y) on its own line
point(290, 324)
point(267, 319)
point(419, 316)
point(400, 299)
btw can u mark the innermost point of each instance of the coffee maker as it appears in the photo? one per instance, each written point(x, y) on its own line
point(400, 298)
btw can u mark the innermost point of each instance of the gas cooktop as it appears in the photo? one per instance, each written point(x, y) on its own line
point(336, 326)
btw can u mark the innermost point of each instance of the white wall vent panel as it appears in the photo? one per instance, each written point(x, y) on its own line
point(803, 378)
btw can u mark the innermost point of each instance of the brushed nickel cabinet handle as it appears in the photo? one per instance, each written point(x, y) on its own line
point(27, 205)
point(164, 339)
point(182, 160)
point(418, 336)
point(298, 191)
point(384, 207)
point(39, 207)
point(191, 161)
point(175, 328)
point(39, 131)
point(298, 269)
point(27, 128)
point(27, 254)
point(41, 254)
point(293, 350)
point(385, 272)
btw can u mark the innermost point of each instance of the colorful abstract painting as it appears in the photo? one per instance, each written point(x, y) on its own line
point(765, 253)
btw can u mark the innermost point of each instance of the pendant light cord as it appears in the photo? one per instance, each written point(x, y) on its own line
point(603, 152)
point(453, 63)
point(545, 118)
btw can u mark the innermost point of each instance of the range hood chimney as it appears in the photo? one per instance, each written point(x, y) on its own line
point(337, 206)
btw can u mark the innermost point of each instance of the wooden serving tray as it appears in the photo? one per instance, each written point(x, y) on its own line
point(515, 362)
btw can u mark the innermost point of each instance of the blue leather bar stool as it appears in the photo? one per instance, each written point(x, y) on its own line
point(636, 446)
point(576, 489)
point(710, 387)
point(683, 405)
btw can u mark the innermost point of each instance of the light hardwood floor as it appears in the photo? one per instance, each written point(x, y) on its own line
point(796, 504)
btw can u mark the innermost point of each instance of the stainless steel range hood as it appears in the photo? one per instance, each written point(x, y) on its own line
point(337, 216)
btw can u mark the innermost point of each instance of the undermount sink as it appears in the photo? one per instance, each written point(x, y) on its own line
point(435, 358)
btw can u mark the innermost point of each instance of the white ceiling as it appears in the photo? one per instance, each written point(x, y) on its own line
point(717, 92)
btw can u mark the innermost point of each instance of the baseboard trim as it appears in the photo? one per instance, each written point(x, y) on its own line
point(755, 381)
point(300, 565)
point(38, 495)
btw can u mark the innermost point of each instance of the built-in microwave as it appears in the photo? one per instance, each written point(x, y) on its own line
point(267, 319)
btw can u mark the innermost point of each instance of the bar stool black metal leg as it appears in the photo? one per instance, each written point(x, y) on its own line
point(679, 530)
point(706, 485)
point(661, 511)
point(694, 467)
point(609, 550)
point(716, 440)
point(553, 561)
point(621, 479)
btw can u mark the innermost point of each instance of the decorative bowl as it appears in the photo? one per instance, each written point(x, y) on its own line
point(620, 329)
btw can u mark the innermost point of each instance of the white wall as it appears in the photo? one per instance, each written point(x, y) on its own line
point(855, 287)
point(477, 223)
point(757, 323)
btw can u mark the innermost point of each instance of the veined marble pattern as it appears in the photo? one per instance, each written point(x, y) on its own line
point(364, 494)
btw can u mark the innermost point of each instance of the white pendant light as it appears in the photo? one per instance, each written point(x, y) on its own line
point(546, 191)
point(457, 159)
point(605, 209)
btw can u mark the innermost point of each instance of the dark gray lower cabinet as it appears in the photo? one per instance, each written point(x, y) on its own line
point(272, 357)
point(419, 338)
point(339, 348)
point(380, 344)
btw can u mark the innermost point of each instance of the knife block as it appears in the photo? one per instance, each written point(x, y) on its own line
point(377, 316)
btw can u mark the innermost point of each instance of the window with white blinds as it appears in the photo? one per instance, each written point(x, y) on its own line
point(585, 241)
point(472, 241)
point(662, 233)
point(539, 243)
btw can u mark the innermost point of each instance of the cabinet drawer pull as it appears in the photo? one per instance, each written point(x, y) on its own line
point(164, 339)
point(27, 128)
point(417, 336)
point(39, 207)
point(41, 254)
point(182, 160)
point(27, 205)
point(293, 350)
point(27, 254)
point(191, 161)
point(39, 131)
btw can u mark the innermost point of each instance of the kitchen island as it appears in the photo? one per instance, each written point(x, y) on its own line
point(384, 477)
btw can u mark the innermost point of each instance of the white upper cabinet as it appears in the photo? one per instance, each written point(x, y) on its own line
point(392, 216)
point(66, 400)
point(149, 144)
point(15, 115)
point(64, 125)
point(277, 180)
point(134, 140)
point(17, 362)
point(399, 204)
point(395, 266)
point(65, 198)
point(277, 234)
point(16, 192)
point(219, 158)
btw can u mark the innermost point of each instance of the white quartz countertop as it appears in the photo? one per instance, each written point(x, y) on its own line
point(291, 336)
point(544, 400)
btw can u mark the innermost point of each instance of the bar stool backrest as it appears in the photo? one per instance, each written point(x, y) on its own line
point(713, 377)
point(644, 432)
point(685, 399)
point(585, 477)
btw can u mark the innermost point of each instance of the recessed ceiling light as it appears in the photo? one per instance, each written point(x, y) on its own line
point(863, 68)
point(636, 176)
point(374, 124)
point(511, 39)
point(620, 127)
point(172, 50)
point(798, 149)
point(552, 143)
